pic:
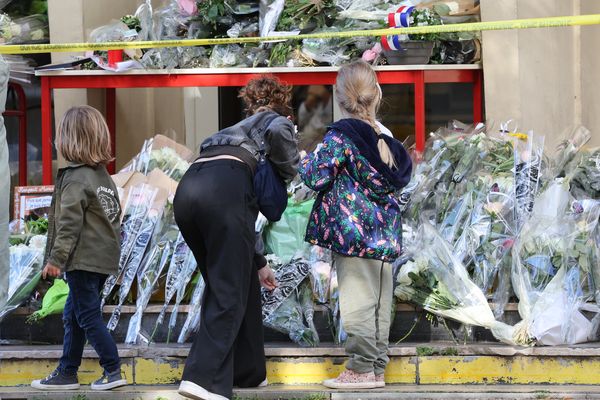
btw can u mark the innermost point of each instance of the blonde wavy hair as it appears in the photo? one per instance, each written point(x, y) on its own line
point(359, 95)
point(83, 137)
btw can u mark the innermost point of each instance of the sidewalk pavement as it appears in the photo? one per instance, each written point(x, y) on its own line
point(316, 392)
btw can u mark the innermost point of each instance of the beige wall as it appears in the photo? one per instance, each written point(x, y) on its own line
point(590, 72)
point(546, 79)
point(141, 113)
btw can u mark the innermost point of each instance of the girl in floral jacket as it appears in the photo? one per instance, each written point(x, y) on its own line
point(356, 172)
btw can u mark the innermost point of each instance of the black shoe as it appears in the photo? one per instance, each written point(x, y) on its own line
point(109, 381)
point(57, 381)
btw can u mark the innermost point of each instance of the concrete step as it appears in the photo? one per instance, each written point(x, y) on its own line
point(275, 392)
point(412, 364)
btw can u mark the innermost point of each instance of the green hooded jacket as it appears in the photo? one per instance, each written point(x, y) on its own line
point(84, 221)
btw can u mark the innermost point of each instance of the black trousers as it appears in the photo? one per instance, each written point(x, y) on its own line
point(215, 209)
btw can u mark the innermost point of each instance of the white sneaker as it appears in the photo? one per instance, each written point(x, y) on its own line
point(109, 381)
point(56, 381)
point(192, 391)
point(352, 380)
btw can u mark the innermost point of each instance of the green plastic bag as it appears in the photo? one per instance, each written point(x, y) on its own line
point(54, 301)
point(285, 238)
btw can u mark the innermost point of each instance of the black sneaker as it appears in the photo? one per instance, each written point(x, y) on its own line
point(57, 381)
point(109, 381)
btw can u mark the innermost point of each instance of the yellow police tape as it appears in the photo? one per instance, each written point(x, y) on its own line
point(592, 19)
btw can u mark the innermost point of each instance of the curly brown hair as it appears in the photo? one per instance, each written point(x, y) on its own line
point(267, 93)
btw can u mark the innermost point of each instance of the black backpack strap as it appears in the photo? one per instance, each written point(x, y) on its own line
point(257, 132)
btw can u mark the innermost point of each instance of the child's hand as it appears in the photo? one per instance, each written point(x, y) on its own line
point(51, 271)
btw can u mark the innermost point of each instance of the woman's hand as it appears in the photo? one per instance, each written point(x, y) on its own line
point(51, 271)
point(267, 278)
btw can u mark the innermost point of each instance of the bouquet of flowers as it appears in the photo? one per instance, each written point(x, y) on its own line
point(368, 10)
point(306, 15)
point(181, 268)
point(151, 269)
point(553, 258)
point(33, 28)
point(528, 167)
point(142, 212)
point(556, 317)
point(539, 251)
point(305, 298)
point(283, 309)
point(584, 174)
point(339, 334)
point(320, 273)
point(453, 152)
point(486, 239)
point(24, 274)
point(192, 321)
point(437, 281)
point(586, 244)
point(568, 149)
point(163, 154)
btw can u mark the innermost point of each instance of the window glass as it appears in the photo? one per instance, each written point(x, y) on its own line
point(312, 105)
point(313, 109)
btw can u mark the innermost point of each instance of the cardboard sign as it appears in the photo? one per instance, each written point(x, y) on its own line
point(32, 199)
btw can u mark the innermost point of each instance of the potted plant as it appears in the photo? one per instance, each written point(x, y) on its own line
point(416, 49)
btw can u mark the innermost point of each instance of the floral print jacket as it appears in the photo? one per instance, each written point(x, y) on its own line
point(356, 212)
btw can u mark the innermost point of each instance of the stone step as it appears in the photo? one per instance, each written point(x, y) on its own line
point(281, 392)
point(433, 363)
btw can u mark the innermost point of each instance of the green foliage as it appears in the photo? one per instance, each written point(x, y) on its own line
point(36, 225)
point(23, 8)
point(303, 14)
point(280, 53)
point(425, 351)
point(425, 17)
point(210, 11)
point(132, 22)
point(427, 290)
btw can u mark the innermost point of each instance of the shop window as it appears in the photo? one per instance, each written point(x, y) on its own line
point(312, 106)
point(443, 102)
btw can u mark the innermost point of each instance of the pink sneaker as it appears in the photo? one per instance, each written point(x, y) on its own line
point(352, 380)
point(380, 380)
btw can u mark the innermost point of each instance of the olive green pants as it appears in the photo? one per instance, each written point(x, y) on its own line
point(366, 291)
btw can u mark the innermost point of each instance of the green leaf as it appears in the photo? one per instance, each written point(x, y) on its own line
point(213, 11)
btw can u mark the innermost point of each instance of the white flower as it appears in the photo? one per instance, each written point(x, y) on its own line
point(38, 242)
point(422, 264)
point(404, 293)
point(411, 266)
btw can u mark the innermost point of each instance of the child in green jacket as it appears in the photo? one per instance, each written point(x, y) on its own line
point(84, 243)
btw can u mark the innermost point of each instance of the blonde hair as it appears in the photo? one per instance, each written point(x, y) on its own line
point(83, 137)
point(358, 94)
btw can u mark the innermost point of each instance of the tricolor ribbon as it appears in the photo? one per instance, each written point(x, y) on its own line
point(391, 42)
point(399, 19)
